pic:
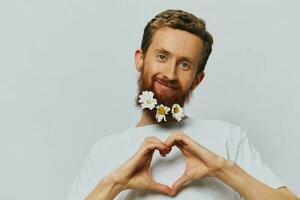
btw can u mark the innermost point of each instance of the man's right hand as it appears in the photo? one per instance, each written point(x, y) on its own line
point(135, 173)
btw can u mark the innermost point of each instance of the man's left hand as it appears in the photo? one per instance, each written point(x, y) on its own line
point(200, 162)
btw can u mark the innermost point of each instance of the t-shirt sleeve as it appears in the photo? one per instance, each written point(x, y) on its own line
point(85, 181)
point(248, 158)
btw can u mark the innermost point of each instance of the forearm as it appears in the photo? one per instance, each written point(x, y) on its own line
point(246, 185)
point(105, 190)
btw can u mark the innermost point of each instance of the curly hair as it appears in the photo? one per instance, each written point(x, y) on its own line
point(179, 19)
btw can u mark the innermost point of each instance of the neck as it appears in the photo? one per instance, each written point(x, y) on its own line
point(147, 119)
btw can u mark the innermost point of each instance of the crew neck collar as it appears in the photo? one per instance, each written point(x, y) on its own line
point(167, 126)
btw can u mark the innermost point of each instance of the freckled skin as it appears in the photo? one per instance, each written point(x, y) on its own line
point(159, 70)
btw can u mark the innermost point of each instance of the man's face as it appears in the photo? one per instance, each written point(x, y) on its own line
point(169, 67)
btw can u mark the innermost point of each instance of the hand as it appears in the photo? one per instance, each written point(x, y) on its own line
point(200, 162)
point(136, 172)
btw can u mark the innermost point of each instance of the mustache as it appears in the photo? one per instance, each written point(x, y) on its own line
point(166, 82)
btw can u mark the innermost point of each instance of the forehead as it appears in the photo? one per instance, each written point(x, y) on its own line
point(178, 42)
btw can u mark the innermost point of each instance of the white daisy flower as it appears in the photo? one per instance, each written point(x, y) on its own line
point(147, 100)
point(161, 112)
point(177, 112)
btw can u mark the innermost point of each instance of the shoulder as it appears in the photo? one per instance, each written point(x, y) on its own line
point(217, 124)
point(107, 142)
point(219, 129)
point(212, 122)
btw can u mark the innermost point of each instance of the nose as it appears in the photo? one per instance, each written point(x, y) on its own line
point(170, 71)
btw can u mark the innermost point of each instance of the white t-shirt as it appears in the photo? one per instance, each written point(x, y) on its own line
point(223, 138)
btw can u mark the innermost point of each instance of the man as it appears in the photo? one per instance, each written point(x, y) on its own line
point(199, 159)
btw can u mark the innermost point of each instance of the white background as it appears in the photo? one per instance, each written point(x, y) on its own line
point(67, 78)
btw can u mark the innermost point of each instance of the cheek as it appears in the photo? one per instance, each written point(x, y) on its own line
point(152, 70)
point(186, 84)
point(154, 67)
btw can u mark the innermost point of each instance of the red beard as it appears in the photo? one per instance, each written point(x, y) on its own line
point(166, 97)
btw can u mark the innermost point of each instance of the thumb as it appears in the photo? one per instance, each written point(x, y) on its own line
point(158, 187)
point(179, 184)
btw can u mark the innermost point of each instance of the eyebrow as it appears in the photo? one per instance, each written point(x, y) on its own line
point(162, 50)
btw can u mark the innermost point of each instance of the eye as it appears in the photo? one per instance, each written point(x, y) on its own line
point(185, 65)
point(161, 57)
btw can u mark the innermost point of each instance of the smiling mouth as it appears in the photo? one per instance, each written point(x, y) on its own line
point(166, 86)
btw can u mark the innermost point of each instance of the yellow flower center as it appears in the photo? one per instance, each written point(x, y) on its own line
point(161, 111)
point(176, 109)
point(149, 101)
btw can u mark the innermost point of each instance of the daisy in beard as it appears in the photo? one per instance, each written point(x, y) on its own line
point(147, 100)
point(177, 112)
point(161, 112)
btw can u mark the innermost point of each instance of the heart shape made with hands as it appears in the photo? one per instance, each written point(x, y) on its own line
point(200, 162)
point(167, 166)
point(164, 165)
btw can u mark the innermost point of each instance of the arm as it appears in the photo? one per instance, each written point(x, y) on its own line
point(106, 189)
point(249, 187)
point(201, 162)
point(134, 174)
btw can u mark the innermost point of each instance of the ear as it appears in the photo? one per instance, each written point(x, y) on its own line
point(139, 59)
point(197, 80)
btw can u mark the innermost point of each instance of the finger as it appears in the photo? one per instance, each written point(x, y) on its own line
point(175, 138)
point(179, 184)
point(159, 142)
point(153, 143)
point(168, 150)
point(162, 154)
point(158, 187)
point(150, 144)
point(165, 152)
